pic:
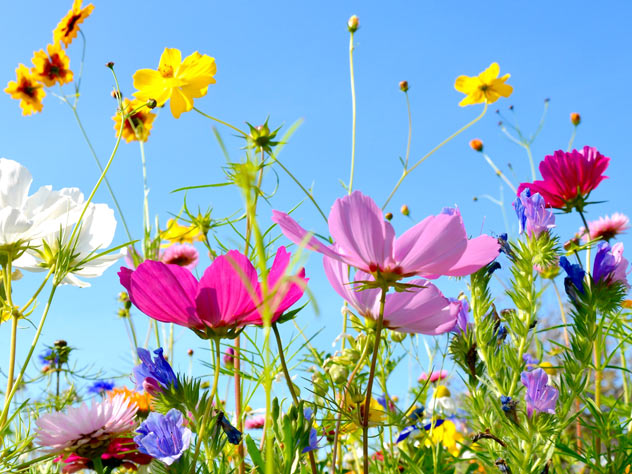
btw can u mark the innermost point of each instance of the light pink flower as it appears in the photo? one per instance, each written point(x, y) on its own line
point(255, 422)
point(182, 255)
point(436, 246)
point(420, 310)
point(85, 428)
point(434, 376)
point(607, 227)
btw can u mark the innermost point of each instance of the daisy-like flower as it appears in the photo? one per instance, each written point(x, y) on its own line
point(141, 399)
point(138, 125)
point(86, 430)
point(68, 27)
point(486, 87)
point(182, 255)
point(27, 90)
point(177, 80)
point(121, 452)
point(52, 66)
point(606, 228)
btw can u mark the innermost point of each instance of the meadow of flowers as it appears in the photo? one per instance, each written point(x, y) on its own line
point(534, 388)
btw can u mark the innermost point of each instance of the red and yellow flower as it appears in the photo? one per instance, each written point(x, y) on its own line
point(52, 66)
point(138, 125)
point(68, 27)
point(27, 90)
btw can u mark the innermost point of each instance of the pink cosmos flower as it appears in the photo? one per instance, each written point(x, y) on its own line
point(421, 310)
point(222, 302)
point(568, 177)
point(121, 452)
point(255, 422)
point(181, 254)
point(434, 376)
point(436, 246)
point(86, 430)
point(607, 227)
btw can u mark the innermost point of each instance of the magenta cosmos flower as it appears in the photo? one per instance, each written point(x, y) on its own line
point(569, 177)
point(222, 302)
point(86, 430)
point(421, 309)
point(436, 246)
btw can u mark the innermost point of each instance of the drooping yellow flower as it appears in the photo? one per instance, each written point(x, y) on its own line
point(447, 435)
point(176, 80)
point(52, 68)
point(138, 125)
point(68, 27)
point(27, 90)
point(181, 234)
point(486, 87)
point(141, 399)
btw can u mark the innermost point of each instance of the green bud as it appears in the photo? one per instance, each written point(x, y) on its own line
point(398, 336)
point(338, 373)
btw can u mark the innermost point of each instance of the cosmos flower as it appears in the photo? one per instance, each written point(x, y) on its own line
point(27, 90)
point(153, 375)
point(68, 27)
point(163, 437)
point(121, 452)
point(87, 429)
point(256, 422)
point(177, 80)
point(539, 396)
point(434, 376)
point(436, 246)
point(610, 265)
point(486, 87)
point(569, 177)
point(52, 66)
point(138, 125)
point(182, 255)
point(606, 228)
point(533, 216)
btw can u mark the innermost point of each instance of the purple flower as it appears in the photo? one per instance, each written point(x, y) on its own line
point(461, 317)
point(229, 357)
point(100, 387)
point(153, 376)
point(163, 436)
point(312, 442)
point(533, 216)
point(530, 361)
point(610, 265)
point(540, 396)
point(575, 274)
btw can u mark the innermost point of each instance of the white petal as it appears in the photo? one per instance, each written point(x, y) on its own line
point(15, 181)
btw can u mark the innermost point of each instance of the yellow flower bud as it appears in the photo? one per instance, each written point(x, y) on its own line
point(404, 210)
point(576, 118)
point(476, 145)
point(353, 24)
point(403, 86)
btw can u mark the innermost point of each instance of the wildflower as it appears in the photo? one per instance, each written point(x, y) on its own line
point(261, 138)
point(444, 433)
point(386, 403)
point(68, 27)
point(177, 80)
point(539, 396)
point(606, 228)
point(530, 361)
point(610, 265)
point(229, 357)
point(441, 400)
point(436, 246)
point(232, 433)
point(121, 452)
point(486, 87)
point(462, 316)
point(27, 90)
point(142, 400)
point(153, 375)
point(100, 387)
point(255, 422)
point(312, 442)
point(582, 172)
point(47, 356)
point(52, 68)
point(139, 120)
point(163, 437)
point(181, 234)
point(422, 309)
point(353, 24)
point(574, 280)
point(182, 255)
point(403, 86)
point(476, 144)
point(533, 216)
point(576, 118)
point(548, 367)
point(86, 430)
point(434, 376)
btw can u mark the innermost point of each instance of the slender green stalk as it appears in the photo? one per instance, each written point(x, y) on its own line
point(353, 111)
point(624, 376)
point(38, 291)
point(369, 388)
point(498, 172)
point(98, 465)
point(572, 139)
point(410, 130)
point(6, 274)
point(527, 147)
point(156, 332)
point(146, 223)
point(220, 121)
point(430, 153)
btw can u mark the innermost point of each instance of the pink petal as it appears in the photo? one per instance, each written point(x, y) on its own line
point(365, 302)
point(163, 292)
point(287, 293)
point(480, 251)
point(226, 290)
point(293, 231)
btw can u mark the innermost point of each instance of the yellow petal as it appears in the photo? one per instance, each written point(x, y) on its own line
point(465, 84)
point(489, 74)
point(501, 88)
point(180, 103)
point(170, 60)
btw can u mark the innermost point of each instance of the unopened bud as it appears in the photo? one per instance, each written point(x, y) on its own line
point(404, 210)
point(511, 107)
point(398, 336)
point(109, 64)
point(60, 343)
point(229, 357)
point(474, 199)
point(576, 118)
point(388, 216)
point(476, 144)
point(151, 103)
point(190, 352)
point(123, 296)
point(115, 94)
point(353, 24)
point(403, 86)
point(45, 369)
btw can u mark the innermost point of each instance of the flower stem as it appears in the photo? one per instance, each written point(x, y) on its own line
point(146, 224)
point(498, 172)
point(353, 111)
point(430, 153)
point(220, 121)
point(369, 388)
point(527, 147)
point(410, 130)
point(6, 274)
point(572, 139)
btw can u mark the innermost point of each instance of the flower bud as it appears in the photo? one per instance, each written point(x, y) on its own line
point(404, 210)
point(388, 216)
point(353, 24)
point(398, 336)
point(60, 343)
point(109, 65)
point(576, 118)
point(476, 145)
point(229, 358)
point(403, 86)
point(115, 94)
point(190, 352)
point(338, 373)
point(151, 103)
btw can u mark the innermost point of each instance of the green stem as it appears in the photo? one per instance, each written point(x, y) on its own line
point(498, 172)
point(369, 388)
point(410, 130)
point(220, 121)
point(353, 111)
point(157, 333)
point(570, 142)
point(146, 224)
point(430, 153)
point(624, 376)
point(98, 465)
point(6, 274)
point(37, 292)
point(531, 163)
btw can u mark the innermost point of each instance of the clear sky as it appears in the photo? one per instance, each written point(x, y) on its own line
point(289, 60)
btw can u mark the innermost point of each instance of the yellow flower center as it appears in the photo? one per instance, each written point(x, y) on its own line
point(166, 71)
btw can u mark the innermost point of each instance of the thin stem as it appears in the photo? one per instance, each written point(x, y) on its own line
point(499, 173)
point(624, 376)
point(156, 332)
point(146, 224)
point(38, 291)
point(587, 232)
point(290, 385)
point(410, 130)
point(562, 312)
point(369, 388)
point(572, 139)
point(220, 121)
point(6, 274)
point(431, 152)
point(353, 111)
point(531, 163)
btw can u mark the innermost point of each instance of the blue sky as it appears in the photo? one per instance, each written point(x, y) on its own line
point(289, 60)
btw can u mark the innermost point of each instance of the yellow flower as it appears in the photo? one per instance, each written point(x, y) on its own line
point(441, 391)
point(67, 28)
point(176, 80)
point(27, 90)
point(486, 87)
point(181, 234)
point(447, 435)
point(138, 125)
point(548, 367)
point(141, 399)
point(377, 415)
point(52, 68)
